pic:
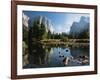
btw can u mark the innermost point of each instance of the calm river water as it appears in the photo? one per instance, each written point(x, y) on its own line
point(42, 56)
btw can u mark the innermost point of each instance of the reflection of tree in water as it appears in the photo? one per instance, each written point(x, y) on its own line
point(38, 55)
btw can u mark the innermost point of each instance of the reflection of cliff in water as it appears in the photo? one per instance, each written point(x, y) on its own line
point(38, 56)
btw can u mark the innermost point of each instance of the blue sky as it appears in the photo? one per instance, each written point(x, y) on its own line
point(60, 21)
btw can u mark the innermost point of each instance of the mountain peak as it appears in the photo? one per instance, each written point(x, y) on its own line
point(79, 27)
point(84, 19)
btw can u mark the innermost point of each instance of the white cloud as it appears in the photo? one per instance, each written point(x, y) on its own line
point(51, 28)
point(60, 28)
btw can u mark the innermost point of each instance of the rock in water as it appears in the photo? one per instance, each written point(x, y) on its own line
point(66, 60)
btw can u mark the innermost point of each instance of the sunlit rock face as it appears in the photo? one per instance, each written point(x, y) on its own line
point(41, 20)
point(79, 27)
point(25, 20)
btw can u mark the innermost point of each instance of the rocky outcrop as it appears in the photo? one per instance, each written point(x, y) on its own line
point(25, 20)
point(79, 27)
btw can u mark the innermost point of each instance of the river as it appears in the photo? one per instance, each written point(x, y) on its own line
point(43, 56)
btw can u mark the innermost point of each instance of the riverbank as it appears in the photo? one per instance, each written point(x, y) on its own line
point(83, 43)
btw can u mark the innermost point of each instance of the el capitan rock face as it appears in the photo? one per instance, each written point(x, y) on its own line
point(80, 27)
point(40, 20)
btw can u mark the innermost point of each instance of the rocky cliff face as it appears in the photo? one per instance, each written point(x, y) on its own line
point(41, 20)
point(25, 20)
point(79, 27)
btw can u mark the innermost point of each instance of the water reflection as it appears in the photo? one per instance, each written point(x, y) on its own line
point(56, 56)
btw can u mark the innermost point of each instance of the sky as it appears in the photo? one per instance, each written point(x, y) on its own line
point(60, 21)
